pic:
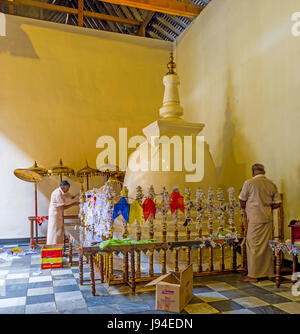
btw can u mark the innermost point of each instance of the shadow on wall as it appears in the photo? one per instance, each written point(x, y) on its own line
point(230, 172)
point(20, 45)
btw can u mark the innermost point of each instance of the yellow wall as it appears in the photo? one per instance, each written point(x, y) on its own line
point(61, 88)
point(240, 75)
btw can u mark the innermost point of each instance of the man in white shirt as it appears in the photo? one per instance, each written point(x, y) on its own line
point(259, 196)
point(55, 233)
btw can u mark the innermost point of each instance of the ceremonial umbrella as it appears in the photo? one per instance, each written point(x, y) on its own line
point(87, 172)
point(32, 174)
point(61, 170)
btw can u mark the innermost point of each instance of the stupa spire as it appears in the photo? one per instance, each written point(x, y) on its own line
point(171, 65)
point(171, 105)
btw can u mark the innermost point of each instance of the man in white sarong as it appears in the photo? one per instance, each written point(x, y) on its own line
point(259, 196)
point(55, 233)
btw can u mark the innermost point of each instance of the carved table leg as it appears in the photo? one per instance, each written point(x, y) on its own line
point(92, 274)
point(234, 266)
point(126, 267)
point(138, 264)
point(222, 264)
point(295, 261)
point(132, 272)
point(70, 252)
point(176, 268)
point(211, 264)
point(164, 262)
point(188, 256)
point(151, 272)
point(199, 260)
point(80, 268)
point(244, 256)
point(278, 265)
point(101, 269)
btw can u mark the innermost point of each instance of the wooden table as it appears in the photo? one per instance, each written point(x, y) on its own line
point(280, 248)
point(90, 248)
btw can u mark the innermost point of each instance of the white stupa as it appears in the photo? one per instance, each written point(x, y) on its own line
point(159, 169)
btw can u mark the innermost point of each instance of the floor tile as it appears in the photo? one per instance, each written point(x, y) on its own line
point(40, 308)
point(225, 305)
point(270, 309)
point(255, 291)
point(129, 307)
point(97, 301)
point(288, 295)
point(4, 273)
point(68, 295)
point(282, 288)
point(210, 296)
point(35, 272)
point(62, 277)
point(17, 301)
point(194, 300)
point(40, 279)
point(35, 285)
point(66, 288)
point(16, 281)
point(102, 309)
point(47, 298)
point(10, 291)
point(66, 305)
point(263, 283)
point(202, 288)
point(241, 311)
point(290, 307)
point(201, 308)
point(100, 292)
point(40, 291)
point(221, 286)
point(249, 302)
point(75, 311)
point(63, 282)
point(36, 261)
point(12, 310)
point(273, 298)
point(233, 294)
point(57, 272)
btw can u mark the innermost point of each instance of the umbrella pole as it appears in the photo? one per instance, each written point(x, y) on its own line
point(87, 182)
point(35, 210)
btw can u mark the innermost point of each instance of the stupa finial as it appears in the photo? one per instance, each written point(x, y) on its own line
point(171, 65)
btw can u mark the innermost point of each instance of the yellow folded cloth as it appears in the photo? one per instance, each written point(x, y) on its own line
point(135, 213)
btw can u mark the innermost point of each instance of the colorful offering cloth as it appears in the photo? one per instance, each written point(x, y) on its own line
point(127, 241)
point(121, 208)
point(148, 208)
point(40, 220)
point(135, 213)
point(176, 202)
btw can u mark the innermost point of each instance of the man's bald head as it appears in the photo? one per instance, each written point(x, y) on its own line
point(258, 169)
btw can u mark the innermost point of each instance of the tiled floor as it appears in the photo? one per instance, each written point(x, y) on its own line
point(25, 288)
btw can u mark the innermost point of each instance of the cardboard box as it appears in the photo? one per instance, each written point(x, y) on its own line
point(174, 290)
point(51, 256)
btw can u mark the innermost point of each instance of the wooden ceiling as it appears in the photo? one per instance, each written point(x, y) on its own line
point(161, 19)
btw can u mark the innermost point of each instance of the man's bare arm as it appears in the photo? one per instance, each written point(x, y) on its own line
point(65, 207)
